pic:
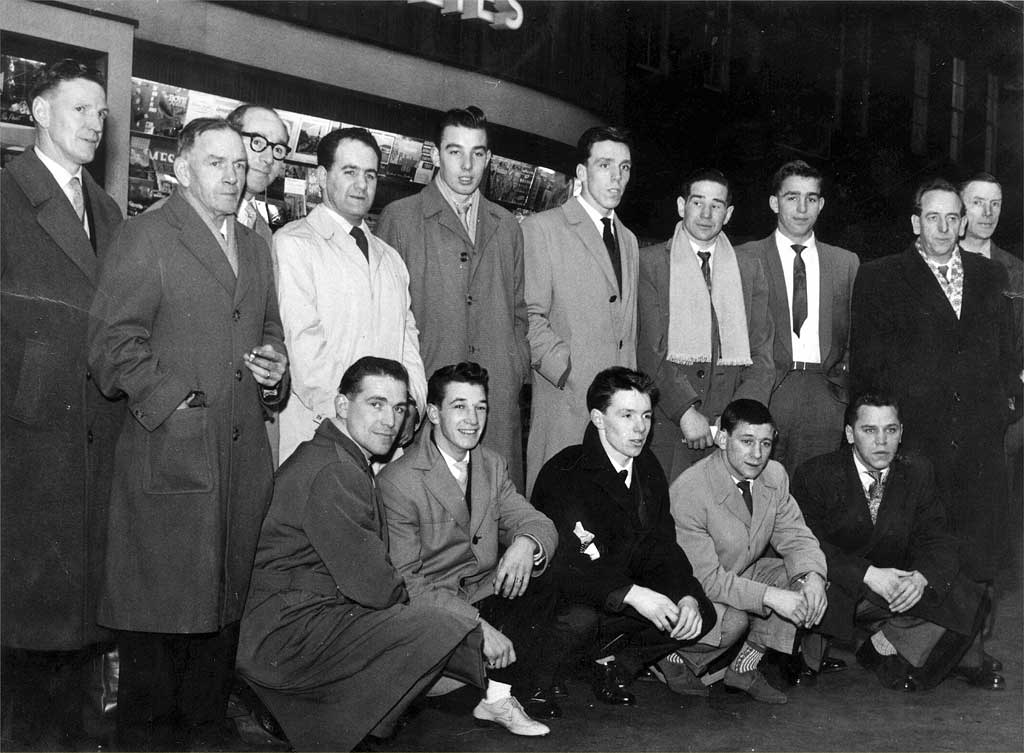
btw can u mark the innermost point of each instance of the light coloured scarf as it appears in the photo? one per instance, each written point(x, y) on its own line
point(689, 318)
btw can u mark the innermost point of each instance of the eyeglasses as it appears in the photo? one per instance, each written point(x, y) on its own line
point(259, 143)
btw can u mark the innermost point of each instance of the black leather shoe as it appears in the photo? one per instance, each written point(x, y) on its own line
point(867, 656)
point(559, 689)
point(798, 674)
point(895, 673)
point(991, 663)
point(540, 704)
point(610, 687)
point(980, 677)
point(828, 664)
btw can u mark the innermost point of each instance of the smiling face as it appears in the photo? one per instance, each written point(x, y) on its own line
point(797, 205)
point(460, 420)
point(604, 178)
point(69, 122)
point(212, 172)
point(940, 223)
point(462, 157)
point(373, 415)
point(876, 435)
point(983, 201)
point(351, 184)
point(625, 423)
point(263, 168)
point(705, 211)
point(747, 448)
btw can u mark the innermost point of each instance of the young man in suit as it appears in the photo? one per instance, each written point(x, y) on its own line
point(619, 562)
point(451, 509)
point(809, 289)
point(185, 324)
point(581, 280)
point(894, 568)
point(465, 260)
point(705, 329)
point(729, 509)
point(58, 430)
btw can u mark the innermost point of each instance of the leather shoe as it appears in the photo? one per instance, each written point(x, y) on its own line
point(991, 663)
point(506, 712)
point(680, 679)
point(828, 664)
point(610, 687)
point(753, 684)
point(980, 677)
point(559, 689)
point(798, 674)
point(540, 704)
point(867, 656)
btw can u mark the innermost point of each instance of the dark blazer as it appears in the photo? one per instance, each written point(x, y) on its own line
point(910, 534)
point(485, 320)
point(58, 430)
point(1014, 290)
point(579, 485)
point(190, 486)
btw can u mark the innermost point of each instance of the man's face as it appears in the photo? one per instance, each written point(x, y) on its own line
point(603, 179)
point(373, 415)
point(747, 448)
point(351, 183)
point(460, 419)
point(939, 224)
point(462, 156)
point(983, 201)
point(71, 118)
point(626, 422)
point(705, 211)
point(875, 435)
point(213, 171)
point(797, 205)
point(263, 168)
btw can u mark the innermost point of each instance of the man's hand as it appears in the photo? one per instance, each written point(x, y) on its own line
point(656, 607)
point(884, 581)
point(412, 418)
point(512, 575)
point(908, 592)
point(813, 590)
point(498, 649)
point(266, 364)
point(790, 605)
point(690, 622)
point(696, 430)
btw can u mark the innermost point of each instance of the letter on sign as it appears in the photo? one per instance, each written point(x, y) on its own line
point(506, 14)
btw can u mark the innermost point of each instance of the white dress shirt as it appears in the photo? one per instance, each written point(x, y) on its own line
point(807, 346)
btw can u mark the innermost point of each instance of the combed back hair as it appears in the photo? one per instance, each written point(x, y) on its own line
point(470, 116)
point(236, 116)
point(799, 169)
point(352, 379)
point(873, 399)
point(746, 411)
point(979, 178)
point(63, 70)
point(935, 184)
point(328, 146)
point(708, 174)
point(466, 372)
point(600, 133)
point(618, 379)
point(196, 128)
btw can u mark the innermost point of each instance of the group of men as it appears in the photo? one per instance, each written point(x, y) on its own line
point(165, 366)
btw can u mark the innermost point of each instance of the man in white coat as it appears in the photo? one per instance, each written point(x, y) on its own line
point(343, 292)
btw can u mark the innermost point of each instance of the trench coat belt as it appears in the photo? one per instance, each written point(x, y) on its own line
point(813, 368)
point(302, 580)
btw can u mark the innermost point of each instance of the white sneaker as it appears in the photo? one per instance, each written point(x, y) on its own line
point(509, 714)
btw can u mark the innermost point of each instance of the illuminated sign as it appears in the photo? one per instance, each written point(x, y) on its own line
point(500, 14)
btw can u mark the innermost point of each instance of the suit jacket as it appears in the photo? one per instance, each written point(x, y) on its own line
point(837, 272)
point(577, 317)
point(190, 486)
point(475, 314)
point(58, 430)
point(446, 554)
point(910, 534)
point(1014, 290)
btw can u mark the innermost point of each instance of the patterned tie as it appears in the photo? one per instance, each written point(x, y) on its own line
point(744, 487)
point(705, 267)
point(613, 249)
point(875, 492)
point(250, 215)
point(944, 271)
point(799, 290)
point(360, 238)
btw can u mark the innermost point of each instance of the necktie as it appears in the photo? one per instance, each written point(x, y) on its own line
point(624, 475)
point(944, 271)
point(77, 197)
point(705, 267)
point(875, 492)
point(462, 210)
point(250, 215)
point(613, 249)
point(799, 290)
point(360, 238)
point(744, 487)
point(461, 472)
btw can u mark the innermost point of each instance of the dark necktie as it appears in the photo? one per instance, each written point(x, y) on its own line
point(744, 487)
point(875, 492)
point(613, 250)
point(799, 290)
point(360, 238)
point(705, 267)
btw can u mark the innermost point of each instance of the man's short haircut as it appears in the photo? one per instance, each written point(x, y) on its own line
point(328, 146)
point(979, 178)
point(745, 411)
point(873, 399)
point(935, 184)
point(709, 174)
point(237, 116)
point(466, 372)
point(63, 70)
point(799, 169)
point(618, 379)
point(470, 116)
point(352, 379)
point(600, 133)
point(195, 128)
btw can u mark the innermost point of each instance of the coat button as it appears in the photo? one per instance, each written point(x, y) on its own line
point(238, 375)
point(236, 315)
point(700, 373)
point(620, 344)
point(469, 300)
point(88, 375)
point(88, 436)
point(235, 434)
point(472, 349)
point(613, 299)
point(956, 396)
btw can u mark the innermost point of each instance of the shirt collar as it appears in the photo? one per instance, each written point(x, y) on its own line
point(954, 259)
point(626, 466)
point(456, 199)
point(344, 224)
point(698, 246)
point(785, 244)
point(864, 470)
point(594, 214)
point(344, 430)
point(57, 170)
point(984, 250)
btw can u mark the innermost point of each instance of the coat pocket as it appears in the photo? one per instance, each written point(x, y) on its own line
point(178, 455)
point(35, 380)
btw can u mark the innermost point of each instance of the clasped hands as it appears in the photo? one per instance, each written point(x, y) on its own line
point(681, 621)
point(901, 589)
point(804, 606)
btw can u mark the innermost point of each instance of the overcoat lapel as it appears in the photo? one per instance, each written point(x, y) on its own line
point(780, 307)
point(199, 240)
point(585, 230)
point(826, 273)
point(924, 285)
point(480, 488)
point(248, 265)
point(728, 494)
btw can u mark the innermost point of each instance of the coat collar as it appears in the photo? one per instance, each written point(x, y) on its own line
point(924, 285)
point(327, 430)
point(324, 225)
point(197, 237)
point(442, 486)
point(489, 215)
point(594, 459)
point(584, 228)
point(724, 492)
point(893, 497)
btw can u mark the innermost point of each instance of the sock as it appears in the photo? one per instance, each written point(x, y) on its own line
point(496, 691)
point(748, 658)
point(605, 659)
point(882, 645)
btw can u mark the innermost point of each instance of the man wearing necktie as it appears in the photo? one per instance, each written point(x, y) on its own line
point(809, 288)
point(894, 567)
point(344, 292)
point(751, 551)
point(58, 430)
point(705, 328)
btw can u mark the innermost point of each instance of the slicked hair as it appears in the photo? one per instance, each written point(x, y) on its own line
point(57, 73)
point(196, 128)
point(708, 174)
point(470, 116)
point(935, 184)
point(873, 399)
point(466, 372)
point(979, 178)
point(600, 133)
point(746, 411)
point(328, 146)
point(796, 168)
point(352, 379)
point(618, 379)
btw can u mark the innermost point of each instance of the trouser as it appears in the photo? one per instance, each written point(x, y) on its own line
point(808, 418)
point(912, 637)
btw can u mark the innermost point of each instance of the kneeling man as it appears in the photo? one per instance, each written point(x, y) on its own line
point(894, 566)
point(451, 506)
point(729, 509)
point(608, 498)
point(329, 639)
